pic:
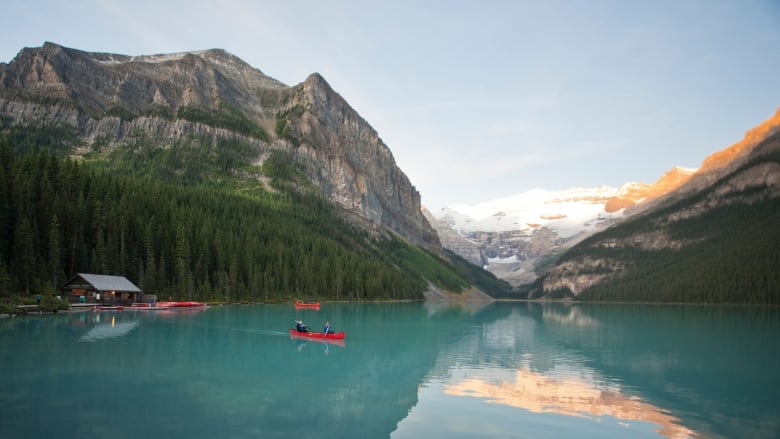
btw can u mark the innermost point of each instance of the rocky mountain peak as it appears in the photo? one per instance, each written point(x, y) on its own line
point(721, 163)
point(632, 194)
point(333, 133)
point(751, 139)
point(112, 97)
point(639, 196)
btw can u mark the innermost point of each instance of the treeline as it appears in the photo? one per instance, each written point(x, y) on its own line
point(190, 161)
point(59, 217)
point(729, 254)
point(733, 256)
point(224, 116)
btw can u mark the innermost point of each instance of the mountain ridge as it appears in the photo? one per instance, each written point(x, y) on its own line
point(111, 99)
point(712, 239)
point(196, 174)
point(520, 251)
point(211, 102)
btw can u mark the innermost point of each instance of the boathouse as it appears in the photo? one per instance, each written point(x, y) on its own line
point(101, 288)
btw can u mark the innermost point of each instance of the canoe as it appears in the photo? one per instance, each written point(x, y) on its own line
point(160, 306)
point(299, 304)
point(107, 308)
point(318, 335)
point(140, 305)
point(180, 304)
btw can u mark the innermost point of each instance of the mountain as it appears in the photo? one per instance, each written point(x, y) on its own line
point(633, 194)
point(452, 240)
point(511, 236)
point(516, 238)
point(713, 239)
point(111, 101)
point(757, 142)
point(196, 174)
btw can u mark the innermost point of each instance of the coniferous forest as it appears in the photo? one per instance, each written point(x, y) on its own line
point(60, 216)
point(723, 264)
point(731, 252)
point(192, 221)
point(732, 255)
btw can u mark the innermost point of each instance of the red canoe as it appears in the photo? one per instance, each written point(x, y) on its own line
point(318, 335)
point(299, 304)
point(180, 304)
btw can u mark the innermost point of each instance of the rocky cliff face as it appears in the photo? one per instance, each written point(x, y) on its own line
point(346, 158)
point(115, 99)
point(450, 239)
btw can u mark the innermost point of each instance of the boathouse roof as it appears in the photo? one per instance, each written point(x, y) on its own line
point(100, 282)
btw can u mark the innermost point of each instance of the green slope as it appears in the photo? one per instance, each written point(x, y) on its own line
point(731, 255)
point(736, 262)
point(192, 221)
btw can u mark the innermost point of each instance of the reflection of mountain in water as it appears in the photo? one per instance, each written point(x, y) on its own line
point(571, 396)
point(512, 361)
point(362, 390)
point(235, 369)
point(632, 362)
point(467, 307)
point(108, 330)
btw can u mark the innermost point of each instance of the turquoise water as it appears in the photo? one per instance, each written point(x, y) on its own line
point(405, 370)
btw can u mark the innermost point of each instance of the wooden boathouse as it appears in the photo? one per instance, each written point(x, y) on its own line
point(101, 288)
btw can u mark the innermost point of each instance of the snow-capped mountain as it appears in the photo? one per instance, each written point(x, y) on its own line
point(567, 212)
point(516, 235)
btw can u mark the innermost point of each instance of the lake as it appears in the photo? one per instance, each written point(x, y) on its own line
point(404, 370)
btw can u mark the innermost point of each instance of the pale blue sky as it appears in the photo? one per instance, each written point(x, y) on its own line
point(479, 100)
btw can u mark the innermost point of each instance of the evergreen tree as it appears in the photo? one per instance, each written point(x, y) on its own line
point(25, 251)
point(55, 253)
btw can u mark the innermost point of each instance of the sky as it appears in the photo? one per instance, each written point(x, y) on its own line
point(481, 99)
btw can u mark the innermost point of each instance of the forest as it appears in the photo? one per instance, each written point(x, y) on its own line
point(731, 255)
point(180, 234)
point(729, 252)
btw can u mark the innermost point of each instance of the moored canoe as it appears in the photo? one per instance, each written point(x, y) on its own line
point(180, 304)
point(299, 304)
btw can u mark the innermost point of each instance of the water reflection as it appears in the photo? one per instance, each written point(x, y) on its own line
point(112, 329)
point(301, 343)
point(548, 362)
point(568, 316)
point(411, 370)
point(567, 395)
point(466, 307)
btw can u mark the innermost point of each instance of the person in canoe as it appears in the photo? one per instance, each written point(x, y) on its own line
point(300, 326)
point(326, 328)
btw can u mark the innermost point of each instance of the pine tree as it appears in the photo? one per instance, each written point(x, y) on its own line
point(25, 252)
point(55, 252)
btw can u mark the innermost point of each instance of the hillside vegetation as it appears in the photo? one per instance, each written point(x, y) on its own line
point(724, 264)
point(191, 221)
point(728, 253)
